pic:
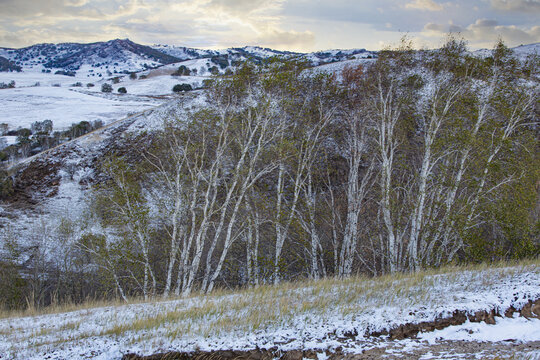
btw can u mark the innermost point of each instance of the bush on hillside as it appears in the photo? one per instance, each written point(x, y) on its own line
point(106, 88)
point(182, 71)
point(182, 87)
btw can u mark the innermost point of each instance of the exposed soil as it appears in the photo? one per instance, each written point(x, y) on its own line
point(392, 350)
point(408, 331)
point(38, 178)
point(447, 350)
point(387, 344)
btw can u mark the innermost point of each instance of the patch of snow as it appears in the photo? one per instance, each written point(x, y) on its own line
point(516, 329)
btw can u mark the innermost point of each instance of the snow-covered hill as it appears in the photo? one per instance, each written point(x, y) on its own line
point(115, 56)
point(246, 52)
point(105, 59)
point(55, 183)
point(331, 56)
point(523, 51)
point(53, 186)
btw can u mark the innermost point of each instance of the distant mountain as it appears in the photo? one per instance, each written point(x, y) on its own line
point(119, 55)
point(330, 56)
point(245, 52)
point(523, 51)
point(122, 56)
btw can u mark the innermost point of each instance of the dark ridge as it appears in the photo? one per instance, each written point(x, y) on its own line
point(6, 65)
point(112, 49)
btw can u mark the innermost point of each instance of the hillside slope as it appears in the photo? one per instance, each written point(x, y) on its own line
point(473, 310)
point(52, 186)
point(116, 55)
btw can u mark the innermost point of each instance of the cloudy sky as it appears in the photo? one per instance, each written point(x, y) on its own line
point(303, 25)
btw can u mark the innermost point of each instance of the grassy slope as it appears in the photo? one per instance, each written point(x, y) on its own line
point(306, 314)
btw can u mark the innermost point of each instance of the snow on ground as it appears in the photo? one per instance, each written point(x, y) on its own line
point(523, 51)
point(64, 106)
point(32, 77)
point(157, 85)
point(317, 315)
point(38, 96)
point(337, 67)
point(38, 225)
point(518, 328)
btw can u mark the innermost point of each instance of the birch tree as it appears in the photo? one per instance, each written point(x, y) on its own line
point(127, 212)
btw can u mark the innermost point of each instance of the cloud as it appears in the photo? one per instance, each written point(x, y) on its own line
point(435, 28)
point(75, 3)
point(69, 9)
point(428, 5)
point(485, 32)
point(484, 23)
point(287, 39)
point(237, 7)
point(526, 6)
point(287, 24)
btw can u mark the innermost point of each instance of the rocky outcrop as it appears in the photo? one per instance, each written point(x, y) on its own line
point(410, 330)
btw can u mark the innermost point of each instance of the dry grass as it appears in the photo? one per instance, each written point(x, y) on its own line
point(367, 286)
point(255, 308)
point(59, 308)
point(248, 310)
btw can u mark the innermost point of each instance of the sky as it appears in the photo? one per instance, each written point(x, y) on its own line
point(297, 25)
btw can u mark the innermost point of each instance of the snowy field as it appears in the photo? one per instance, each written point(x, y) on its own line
point(64, 106)
point(316, 315)
point(56, 99)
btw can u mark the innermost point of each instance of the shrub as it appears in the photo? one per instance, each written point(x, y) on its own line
point(11, 85)
point(122, 90)
point(182, 71)
point(221, 60)
point(207, 83)
point(64, 72)
point(89, 85)
point(106, 88)
point(25, 132)
point(133, 76)
point(181, 87)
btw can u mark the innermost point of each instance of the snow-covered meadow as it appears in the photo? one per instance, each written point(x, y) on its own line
point(321, 315)
point(37, 97)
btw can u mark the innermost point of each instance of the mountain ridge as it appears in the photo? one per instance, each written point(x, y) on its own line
point(124, 56)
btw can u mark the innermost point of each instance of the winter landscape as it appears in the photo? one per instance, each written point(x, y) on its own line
point(220, 202)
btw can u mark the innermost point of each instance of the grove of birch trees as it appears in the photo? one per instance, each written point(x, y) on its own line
point(414, 160)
